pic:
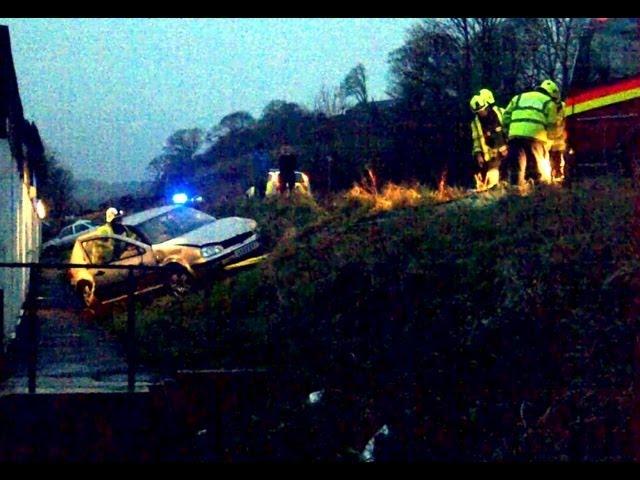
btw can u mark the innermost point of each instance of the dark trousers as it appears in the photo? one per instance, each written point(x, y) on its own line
point(287, 165)
point(526, 159)
point(555, 158)
point(260, 183)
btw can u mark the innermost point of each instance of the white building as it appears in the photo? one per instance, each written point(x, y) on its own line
point(20, 154)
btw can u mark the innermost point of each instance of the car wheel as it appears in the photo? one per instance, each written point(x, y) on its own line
point(86, 293)
point(179, 282)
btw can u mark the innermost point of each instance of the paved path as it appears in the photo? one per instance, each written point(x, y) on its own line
point(75, 353)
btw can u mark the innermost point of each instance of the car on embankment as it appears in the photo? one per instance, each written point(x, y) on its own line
point(186, 243)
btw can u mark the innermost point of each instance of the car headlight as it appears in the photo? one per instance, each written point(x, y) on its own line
point(211, 250)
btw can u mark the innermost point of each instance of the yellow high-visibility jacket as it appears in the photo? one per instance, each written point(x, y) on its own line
point(102, 250)
point(530, 115)
point(105, 229)
point(479, 143)
point(558, 134)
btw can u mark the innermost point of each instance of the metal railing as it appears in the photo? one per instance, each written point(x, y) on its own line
point(32, 323)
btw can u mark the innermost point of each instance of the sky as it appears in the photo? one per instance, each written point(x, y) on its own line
point(107, 93)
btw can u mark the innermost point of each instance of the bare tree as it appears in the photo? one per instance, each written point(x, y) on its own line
point(519, 45)
point(479, 45)
point(427, 67)
point(355, 84)
point(176, 157)
point(56, 184)
point(558, 39)
point(463, 36)
point(330, 101)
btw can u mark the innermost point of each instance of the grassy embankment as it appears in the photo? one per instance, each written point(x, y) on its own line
point(488, 328)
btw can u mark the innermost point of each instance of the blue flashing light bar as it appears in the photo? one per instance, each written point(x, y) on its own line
point(180, 198)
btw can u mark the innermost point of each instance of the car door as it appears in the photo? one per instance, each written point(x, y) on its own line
point(116, 251)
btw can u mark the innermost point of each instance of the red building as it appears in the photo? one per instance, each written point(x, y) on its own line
point(603, 107)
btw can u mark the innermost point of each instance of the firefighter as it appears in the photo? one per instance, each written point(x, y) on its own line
point(558, 145)
point(488, 96)
point(107, 228)
point(528, 119)
point(103, 249)
point(489, 140)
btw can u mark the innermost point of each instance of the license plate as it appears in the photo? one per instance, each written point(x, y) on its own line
point(246, 249)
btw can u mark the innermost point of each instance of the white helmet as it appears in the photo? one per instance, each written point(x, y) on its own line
point(111, 214)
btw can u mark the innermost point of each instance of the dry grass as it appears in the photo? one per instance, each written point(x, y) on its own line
point(392, 196)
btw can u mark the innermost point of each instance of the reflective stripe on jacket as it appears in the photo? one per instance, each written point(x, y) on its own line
point(558, 134)
point(477, 135)
point(530, 115)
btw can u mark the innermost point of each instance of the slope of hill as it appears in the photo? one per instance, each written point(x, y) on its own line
point(493, 330)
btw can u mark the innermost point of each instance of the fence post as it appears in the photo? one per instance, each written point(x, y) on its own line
point(211, 323)
point(131, 333)
point(2, 345)
point(32, 339)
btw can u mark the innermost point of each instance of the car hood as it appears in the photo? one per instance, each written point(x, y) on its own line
point(215, 232)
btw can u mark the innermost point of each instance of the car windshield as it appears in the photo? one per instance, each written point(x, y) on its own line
point(173, 223)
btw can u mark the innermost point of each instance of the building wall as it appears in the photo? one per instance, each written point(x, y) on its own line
point(19, 237)
point(21, 149)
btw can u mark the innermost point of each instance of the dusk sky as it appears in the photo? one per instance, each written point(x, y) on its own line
point(106, 93)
